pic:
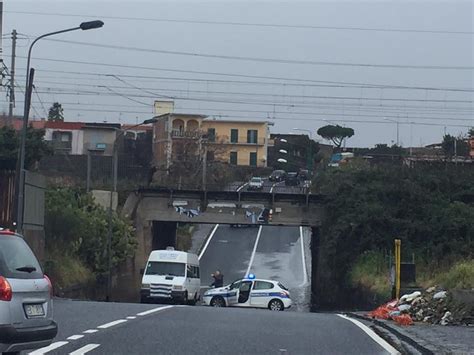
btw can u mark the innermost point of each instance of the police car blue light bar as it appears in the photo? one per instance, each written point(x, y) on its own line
point(251, 276)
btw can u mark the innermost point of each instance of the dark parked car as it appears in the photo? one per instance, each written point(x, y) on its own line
point(304, 175)
point(292, 179)
point(277, 175)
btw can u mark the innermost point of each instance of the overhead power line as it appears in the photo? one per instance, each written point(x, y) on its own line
point(264, 60)
point(124, 66)
point(251, 24)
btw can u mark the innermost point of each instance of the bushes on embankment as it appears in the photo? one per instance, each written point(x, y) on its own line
point(431, 209)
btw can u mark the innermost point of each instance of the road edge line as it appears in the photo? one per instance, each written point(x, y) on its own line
point(303, 259)
point(254, 250)
point(203, 250)
point(374, 336)
point(241, 187)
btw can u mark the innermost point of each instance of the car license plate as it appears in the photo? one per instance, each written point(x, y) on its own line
point(34, 310)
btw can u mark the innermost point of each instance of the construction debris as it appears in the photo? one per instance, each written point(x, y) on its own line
point(432, 306)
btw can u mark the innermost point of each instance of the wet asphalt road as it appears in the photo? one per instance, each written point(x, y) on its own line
point(108, 328)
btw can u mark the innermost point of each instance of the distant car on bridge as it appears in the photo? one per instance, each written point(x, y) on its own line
point(250, 292)
point(292, 179)
point(277, 176)
point(256, 183)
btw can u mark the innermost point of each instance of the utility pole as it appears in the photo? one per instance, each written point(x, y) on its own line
point(204, 168)
point(12, 79)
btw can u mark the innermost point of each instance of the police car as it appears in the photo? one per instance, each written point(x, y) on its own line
point(250, 292)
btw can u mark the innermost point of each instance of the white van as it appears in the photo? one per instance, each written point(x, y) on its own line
point(171, 275)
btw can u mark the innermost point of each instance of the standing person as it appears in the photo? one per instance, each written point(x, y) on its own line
point(218, 279)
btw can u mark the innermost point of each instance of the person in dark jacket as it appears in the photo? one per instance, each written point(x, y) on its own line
point(218, 279)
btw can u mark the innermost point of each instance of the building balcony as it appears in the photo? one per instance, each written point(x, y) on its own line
point(63, 146)
point(239, 141)
point(176, 133)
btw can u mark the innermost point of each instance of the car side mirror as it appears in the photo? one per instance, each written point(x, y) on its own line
point(142, 271)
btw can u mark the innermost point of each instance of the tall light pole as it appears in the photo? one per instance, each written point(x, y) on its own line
point(26, 111)
point(398, 129)
point(110, 214)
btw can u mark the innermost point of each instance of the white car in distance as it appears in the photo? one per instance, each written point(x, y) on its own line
point(250, 292)
point(256, 183)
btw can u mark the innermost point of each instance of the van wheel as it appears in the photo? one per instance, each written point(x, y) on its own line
point(193, 301)
point(217, 301)
point(185, 299)
point(276, 305)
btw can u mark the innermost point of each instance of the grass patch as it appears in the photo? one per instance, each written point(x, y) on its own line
point(371, 272)
point(184, 235)
point(459, 276)
point(66, 271)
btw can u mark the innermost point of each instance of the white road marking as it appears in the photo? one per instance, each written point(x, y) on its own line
point(90, 331)
point(208, 241)
point(150, 311)
point(254, 250)
point(85, 349)
point(75, 337)
point(274, 185)
point(131, 317)
point(241, 187)
point(303, 259)
point(390, 349)
point(51, 347)
point(111, 324)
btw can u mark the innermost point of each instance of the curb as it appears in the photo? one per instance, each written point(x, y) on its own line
point(396, 333)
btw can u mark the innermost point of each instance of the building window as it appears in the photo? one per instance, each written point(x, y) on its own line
point(252, 136)
point(234, 135)
point(211, 134)
point(233, 158)
point(253, 159)
point(210, 155)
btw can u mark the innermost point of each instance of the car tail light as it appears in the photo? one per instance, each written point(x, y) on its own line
point(5, 290)
point(285, 294)
point(50, 285)
point(7, 232)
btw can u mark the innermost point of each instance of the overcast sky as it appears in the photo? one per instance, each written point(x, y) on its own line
point(335, 61)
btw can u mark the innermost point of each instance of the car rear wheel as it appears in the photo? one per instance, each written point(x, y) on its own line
point(217, 302)
point(276, 305)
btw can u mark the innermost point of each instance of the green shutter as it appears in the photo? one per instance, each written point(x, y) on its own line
point(253, 159)
point(234, 135)
point(211, 134)
point(233, 158)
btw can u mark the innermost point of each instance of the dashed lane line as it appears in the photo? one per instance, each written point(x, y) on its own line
point(254, 250)
point(154, 310)
point(131, 317)
point(90, 331)
point(85, 349)
point(111, 324)
point(387, 347)
point(51, 347)
point(75, 337)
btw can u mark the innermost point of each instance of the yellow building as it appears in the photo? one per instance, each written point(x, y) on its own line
point(235, 142)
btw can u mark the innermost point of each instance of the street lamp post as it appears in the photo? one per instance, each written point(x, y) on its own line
point(110, 214)
point(26, 110)
point(398, 129)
